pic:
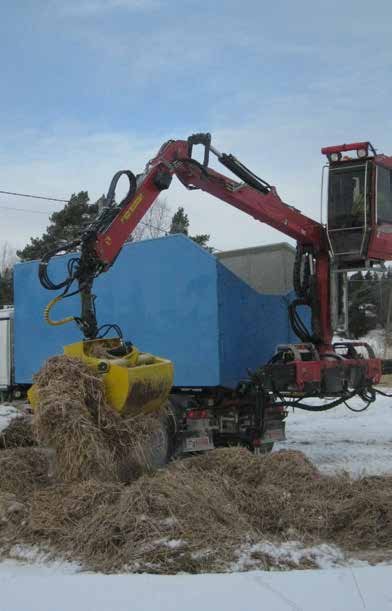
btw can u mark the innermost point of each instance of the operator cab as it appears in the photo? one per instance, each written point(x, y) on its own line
point(359, 222)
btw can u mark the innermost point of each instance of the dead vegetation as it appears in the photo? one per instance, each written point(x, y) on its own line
point(18, 434)
point(192, 516)
point(89, 438)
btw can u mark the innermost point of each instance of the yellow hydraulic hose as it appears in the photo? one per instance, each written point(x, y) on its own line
point(56, 323)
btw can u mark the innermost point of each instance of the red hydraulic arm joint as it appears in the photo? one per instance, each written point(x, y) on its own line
point(111, 240)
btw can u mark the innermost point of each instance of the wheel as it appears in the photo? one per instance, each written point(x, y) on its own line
point(161, 448)
point(17, 394)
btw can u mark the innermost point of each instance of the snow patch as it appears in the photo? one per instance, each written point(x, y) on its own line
point(24, 560)
point(171, 543)
point(376, 338)
point(291, 554)
point(7, 414)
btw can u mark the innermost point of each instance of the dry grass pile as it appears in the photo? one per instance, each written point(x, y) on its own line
point(196, 514)
point(166, 522)
point(19, 433)
point(23, 470)
point(89, 438)
point(100, 351)
point(193, 516)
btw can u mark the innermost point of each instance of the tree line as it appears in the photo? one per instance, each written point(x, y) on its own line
point(369, 297)
point(67, 224)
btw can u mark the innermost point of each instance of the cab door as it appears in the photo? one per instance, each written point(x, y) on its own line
point(349, 210)
point(380, 246)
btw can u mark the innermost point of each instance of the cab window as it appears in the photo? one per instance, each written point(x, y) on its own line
point(346, 199)
point(384, 195)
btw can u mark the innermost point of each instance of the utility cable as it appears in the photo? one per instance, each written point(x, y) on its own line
point(25, 210)
point(50, 199)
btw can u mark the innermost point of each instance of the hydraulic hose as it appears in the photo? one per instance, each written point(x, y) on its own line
point(50, 321)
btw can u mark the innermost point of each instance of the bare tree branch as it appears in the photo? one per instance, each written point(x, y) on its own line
point(7, 257)
point(155, 222)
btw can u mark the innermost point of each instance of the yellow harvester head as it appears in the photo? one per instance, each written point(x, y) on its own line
point(135, 383)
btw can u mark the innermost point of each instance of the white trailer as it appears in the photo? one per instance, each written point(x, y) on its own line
point(6, 351)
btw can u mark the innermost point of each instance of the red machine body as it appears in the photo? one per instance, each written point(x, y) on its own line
point(358, 233)
point(319, 366)
point(359, 205)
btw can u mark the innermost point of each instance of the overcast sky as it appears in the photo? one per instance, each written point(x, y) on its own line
point(92, 86)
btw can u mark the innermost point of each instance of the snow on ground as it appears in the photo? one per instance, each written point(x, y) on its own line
point(333, 440)
point(339, 439)
point(293, 554)
point(349, 589)
point(30, 561)
point(7, 413)
point(376, 339)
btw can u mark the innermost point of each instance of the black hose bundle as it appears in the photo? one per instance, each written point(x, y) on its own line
point(72, 268)
point(305, 290)
point(301, 274)
point(297, 324)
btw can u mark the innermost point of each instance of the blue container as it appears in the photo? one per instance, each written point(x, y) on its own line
point(171, 298)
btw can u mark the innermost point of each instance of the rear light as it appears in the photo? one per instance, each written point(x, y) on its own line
point(280, 409)
point(257, 443)
point(197, 414)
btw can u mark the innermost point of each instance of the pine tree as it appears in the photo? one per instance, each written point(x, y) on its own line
point(66, 224)
point(180, 224)
point(6, 287)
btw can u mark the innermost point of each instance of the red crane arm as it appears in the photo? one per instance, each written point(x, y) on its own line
point(173, 159)
point(266, 208)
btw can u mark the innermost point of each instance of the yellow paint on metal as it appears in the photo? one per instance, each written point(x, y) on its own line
point(131, 208)
point(136, 383)
point(55, 323)
point(32, 396)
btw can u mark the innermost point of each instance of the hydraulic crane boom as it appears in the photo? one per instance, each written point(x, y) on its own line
point(312, 367)
point(253, 196)
point(256, 197)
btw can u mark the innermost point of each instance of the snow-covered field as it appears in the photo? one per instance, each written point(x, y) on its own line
point(334, 440)
point(340, 439)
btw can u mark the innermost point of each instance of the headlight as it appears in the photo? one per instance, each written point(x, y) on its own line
point(361, 153)
point(335, 157)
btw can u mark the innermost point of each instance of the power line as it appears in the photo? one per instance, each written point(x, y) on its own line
point(163, 230)
point(55, 199)
point(25, 210)
point(47, 212)
point(50, 199)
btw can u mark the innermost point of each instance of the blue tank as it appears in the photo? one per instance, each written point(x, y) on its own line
point(171, 298)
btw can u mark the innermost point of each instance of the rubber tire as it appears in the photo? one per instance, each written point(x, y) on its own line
point(161, 451)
